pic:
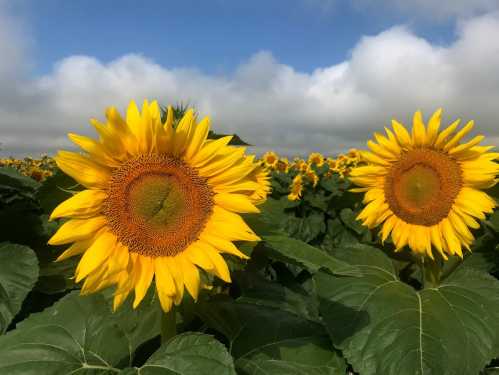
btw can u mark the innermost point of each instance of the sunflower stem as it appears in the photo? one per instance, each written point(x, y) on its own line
point(430, 273)
point(168, 325)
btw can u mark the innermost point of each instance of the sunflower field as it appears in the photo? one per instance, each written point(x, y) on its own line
point(162, 247)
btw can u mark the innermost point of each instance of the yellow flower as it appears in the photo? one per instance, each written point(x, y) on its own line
point(261, 175)
point(316, 158)
point(270, 159)
point(424, 187)
point(159, 203)
point(296, 188)
point(283, 165)
point(312, 176)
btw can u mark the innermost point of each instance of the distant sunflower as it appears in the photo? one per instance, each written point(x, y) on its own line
point(296, 188)
point(270, 159)
point(424, 187)
point(159, 203)
point(316, 158)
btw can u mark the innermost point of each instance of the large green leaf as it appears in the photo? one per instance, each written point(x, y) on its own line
point(18, 275)
point(259, 291)
point(248, 326)
point(55, 189)
point(19, 210)
point(78, 333)
point(188, 354)
point(312, 355)
point(300, 253)
point(384, 326)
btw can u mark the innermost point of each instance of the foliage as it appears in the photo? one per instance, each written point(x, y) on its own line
point(320, 295)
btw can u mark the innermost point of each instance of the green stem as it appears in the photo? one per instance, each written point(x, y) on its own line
point(168, 325)
point(430, 273)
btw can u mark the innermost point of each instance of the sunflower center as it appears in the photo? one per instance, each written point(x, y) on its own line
point(157, 205)
point(421, 187)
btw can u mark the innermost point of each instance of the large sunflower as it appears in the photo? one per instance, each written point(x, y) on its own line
point(159, 203)
point(424, 187)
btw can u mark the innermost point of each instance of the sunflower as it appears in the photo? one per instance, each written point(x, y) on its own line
point(270, 159)
point(312, 176)
point(316, 158)
point(296, 188)
point(160, 201)
point(283, 165)
point(425, 187)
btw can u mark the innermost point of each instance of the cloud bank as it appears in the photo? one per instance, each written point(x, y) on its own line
point(266, 102)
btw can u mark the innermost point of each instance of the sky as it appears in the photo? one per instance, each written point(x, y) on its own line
point(294, 76)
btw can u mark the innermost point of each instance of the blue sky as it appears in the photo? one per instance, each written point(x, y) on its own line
point(291, 75)
point(214, 36)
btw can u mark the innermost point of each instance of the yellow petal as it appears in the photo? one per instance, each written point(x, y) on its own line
point(221, 270)
point(402, 134)
point(164, 279)
point(418, 130)
point(96, 150)
point(83, 204)
point(196, 254)
point(85, 171)
point(433, 127)
point(459, 135)
point(209, 150)
point(455, 151)
point(235, 202)
point(96, 254)
point(178, 278)
point(442, 137)
point(144, 278)
point(75, 249)
point(223, 245)
point(222, 162)
point(191, 276)
point(183, 132)
point(198, 138)
point(77, 230)
point(453, 244)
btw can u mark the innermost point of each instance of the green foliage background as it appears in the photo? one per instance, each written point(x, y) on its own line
point(319, 296)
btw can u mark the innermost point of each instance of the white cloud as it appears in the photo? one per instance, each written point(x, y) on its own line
point(431, 9)
point(266, 102)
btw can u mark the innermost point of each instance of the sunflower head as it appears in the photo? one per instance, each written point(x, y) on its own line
point(283, 165)
point(316, 158)
point(424, 187)
point(296, 188)
point(161, 202)
point(270, 159)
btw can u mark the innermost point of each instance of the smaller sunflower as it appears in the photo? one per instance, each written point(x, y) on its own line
point(283, 165)
point(425, 187)
point(296, 188)
point(316, 158)
point(270, 159)
point(312, 176)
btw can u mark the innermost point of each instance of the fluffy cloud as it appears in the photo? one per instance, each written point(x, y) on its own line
point(268, 103)
point(440, 8)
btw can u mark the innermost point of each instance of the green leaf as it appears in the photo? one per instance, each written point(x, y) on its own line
point(312, 355)
point(78, 333)
point(349, 219)
point(12, 178)
point(18, 275)
point(306, 228)
point(494, 221)
point(189, 354)
point(300, 253)
point(248, 326)
point(258, 290)
point(384, 326)
point(54, 190)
